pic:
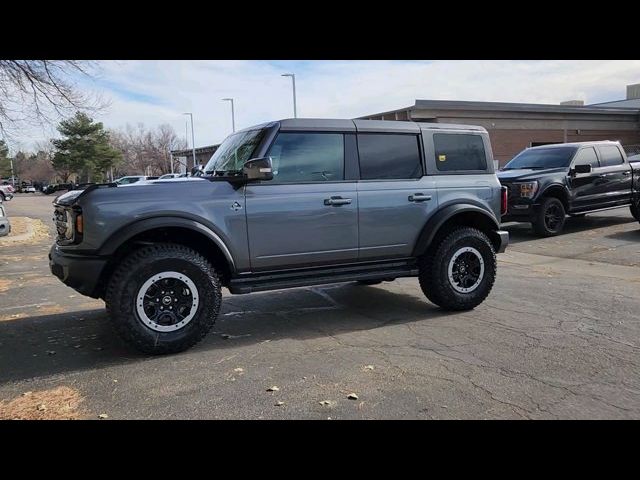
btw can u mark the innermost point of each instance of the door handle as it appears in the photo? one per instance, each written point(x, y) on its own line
point(419, 197)
point(627, 173)
point(337, 201)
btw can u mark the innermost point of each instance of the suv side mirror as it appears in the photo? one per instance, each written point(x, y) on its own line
point(258, 169)
point(584, 168)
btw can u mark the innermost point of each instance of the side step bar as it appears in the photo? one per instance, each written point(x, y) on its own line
point(584, 212)
point(297, 278)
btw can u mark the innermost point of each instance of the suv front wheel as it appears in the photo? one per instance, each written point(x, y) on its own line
point(458, 273)
point(163, 298)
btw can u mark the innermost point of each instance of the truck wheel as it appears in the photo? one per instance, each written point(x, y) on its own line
point(458, 273)
point(163, 298)
point(635, 211)
point(550, 217)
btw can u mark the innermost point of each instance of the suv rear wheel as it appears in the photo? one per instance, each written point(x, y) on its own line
point(635, 211)
point(458, 273)
point(550, 217)
point(163, 298)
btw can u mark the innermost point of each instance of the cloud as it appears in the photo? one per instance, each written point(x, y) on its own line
point(157, 92)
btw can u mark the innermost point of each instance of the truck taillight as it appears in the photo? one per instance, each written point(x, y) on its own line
point(503, 200)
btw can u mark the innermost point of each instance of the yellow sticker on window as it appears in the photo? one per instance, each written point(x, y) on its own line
point(442, 158)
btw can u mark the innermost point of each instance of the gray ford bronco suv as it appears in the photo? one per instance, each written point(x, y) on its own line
point(286, 204)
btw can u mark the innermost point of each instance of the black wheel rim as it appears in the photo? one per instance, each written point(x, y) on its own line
point(167, 301)
point(466, 270)
point(553, 217)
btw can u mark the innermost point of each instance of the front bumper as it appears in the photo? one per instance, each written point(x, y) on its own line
point(503, 238)
point(80, 272)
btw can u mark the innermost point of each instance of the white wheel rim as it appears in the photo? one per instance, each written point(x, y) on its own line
point(168, 300)
point(457, 265)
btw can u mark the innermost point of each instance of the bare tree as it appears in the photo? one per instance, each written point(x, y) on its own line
point(42, 91)
point(146, 150)
point(38, 168)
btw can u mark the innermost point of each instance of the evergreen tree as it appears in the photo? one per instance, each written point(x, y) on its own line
point(5, 163)
point(84, 149)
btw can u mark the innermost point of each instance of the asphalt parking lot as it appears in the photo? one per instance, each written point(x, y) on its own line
point(558, 337)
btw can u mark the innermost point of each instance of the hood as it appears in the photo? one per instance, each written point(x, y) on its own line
point(527, 174)
point(68, 198)
point(163, 181)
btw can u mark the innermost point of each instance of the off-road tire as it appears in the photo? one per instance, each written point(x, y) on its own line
point(539, 221)
point(135, 270)
point(434, 265)
point(635, 211)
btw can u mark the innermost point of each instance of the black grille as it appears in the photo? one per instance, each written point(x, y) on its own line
point(61, 218)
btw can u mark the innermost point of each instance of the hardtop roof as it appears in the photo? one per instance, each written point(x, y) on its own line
point(328, 124)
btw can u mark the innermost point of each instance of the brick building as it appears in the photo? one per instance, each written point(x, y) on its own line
point(516, 126)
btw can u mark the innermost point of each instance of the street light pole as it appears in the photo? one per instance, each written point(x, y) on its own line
point(293, 80)
point(13, 177)
point(193, 139)
point(233, 114)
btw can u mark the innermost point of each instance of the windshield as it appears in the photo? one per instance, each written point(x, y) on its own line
point(236, 149)
point(539, 158)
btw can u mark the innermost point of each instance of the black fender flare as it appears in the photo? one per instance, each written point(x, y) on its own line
point(140, 226)
point(432, 226)
point(554, 185)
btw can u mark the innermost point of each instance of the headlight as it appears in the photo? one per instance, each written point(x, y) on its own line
point(69, 225)
point(528, 189)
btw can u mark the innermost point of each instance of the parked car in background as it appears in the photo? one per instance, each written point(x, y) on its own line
point(132, 179)
point(57, 187)
point(25, 187)
point(5, 225)
point(288, 204)
point(172, 175)
point(549, 182)
point(6, 192)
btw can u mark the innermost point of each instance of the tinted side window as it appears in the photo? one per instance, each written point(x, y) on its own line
point(307, 157)
point(389, 156)
point(610, 155)
point(459, 152)
point(587, 156)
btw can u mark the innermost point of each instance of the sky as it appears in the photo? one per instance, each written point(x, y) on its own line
point(157, 92)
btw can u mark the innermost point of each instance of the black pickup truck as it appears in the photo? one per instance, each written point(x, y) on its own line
point(549, 182)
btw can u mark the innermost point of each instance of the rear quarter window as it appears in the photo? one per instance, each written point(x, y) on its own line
point(459, 152)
